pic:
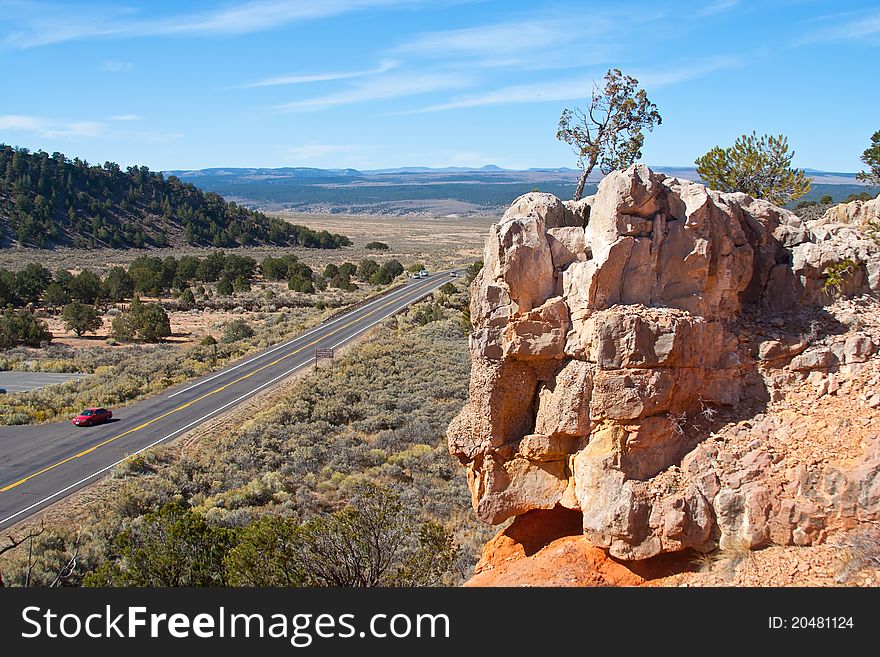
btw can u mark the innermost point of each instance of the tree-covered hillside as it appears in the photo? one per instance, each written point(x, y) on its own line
point(49, 199)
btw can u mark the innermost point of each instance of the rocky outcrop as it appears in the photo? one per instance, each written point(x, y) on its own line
point(601, 330)
point(861, 214)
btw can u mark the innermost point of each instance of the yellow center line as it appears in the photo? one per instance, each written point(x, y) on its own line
point(197, 399)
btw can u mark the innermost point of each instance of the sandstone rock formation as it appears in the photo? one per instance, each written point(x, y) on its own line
point(605, 334)
point(859, 213)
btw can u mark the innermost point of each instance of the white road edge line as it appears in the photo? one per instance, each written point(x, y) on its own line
point(194, 422)
point(274, 349)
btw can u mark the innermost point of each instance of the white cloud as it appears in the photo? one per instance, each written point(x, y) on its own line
point(50, 128)
point(390, 86)
point(45, 23)
point(516, 94)
point(528, 44)
point(384, 67)
point(864, 28)
point(499, 39)
point(263, 15)
point(127, 117)
point(685, 73)
point(573, 89)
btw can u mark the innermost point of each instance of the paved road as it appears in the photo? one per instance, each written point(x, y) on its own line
point(24, 381)
point(41, 464)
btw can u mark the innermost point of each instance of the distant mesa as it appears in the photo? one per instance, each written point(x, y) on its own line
point(465, 191)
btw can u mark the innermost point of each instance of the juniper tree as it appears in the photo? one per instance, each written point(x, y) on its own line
point(760, 167)
point(871, 157)
point(81, 318)
point(609, 133)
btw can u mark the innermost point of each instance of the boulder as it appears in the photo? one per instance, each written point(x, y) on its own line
point(546, 207)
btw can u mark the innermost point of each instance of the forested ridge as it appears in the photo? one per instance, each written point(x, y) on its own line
point(46, 200)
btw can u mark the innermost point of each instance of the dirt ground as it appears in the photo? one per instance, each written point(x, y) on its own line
point(186, 327)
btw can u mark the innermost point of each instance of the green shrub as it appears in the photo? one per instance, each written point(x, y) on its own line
point(187, 299)
point(301, 284)
point(153, 323)
point(22, 327)
point(268, 553)
point(124, 327)
point(85, 287)
point(149, 322)
point(171, 547)
point(838, 275)
point(366, 269)
point(236, 330)
point(224, 286)
point(56, 295)
point(473, 270)
point(81, 318)
point(347, 269)
point(241, 284)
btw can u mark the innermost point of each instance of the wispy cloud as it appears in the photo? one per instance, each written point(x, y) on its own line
point(50, 128)
point(529, 43)
point(389, 86)
point(44, 23)
point(574, 89)
point(126, 117)
point(282, 80)
point(498, 39)
point(717, 7)
point(846, 27)
point(117, 67)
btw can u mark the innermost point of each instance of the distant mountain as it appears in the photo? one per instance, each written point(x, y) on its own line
point(47, 200)
point(260, 173)
point(419, 189)
point(488, 167)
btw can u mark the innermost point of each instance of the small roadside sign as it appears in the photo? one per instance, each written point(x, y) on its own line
point(322, 353)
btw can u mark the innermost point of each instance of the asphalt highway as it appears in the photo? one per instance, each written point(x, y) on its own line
point(42, 464)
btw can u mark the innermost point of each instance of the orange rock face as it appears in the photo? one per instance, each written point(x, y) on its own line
point(547, 548)
point(605, 341)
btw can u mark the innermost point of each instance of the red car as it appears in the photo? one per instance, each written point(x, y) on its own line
point(92, 416)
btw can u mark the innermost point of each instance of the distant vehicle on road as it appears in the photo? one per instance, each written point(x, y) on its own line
point(423, 273)
point(453, 274)
point(2, 391)
point(92, 416)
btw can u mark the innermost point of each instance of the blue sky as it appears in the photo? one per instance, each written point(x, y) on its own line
point(383, 83)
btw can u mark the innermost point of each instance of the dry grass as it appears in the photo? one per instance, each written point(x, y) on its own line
point(860, 550)
point(438, 242)
point(725, 561)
